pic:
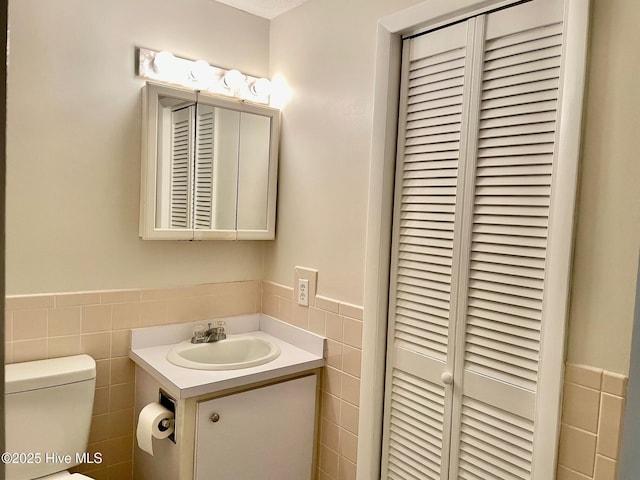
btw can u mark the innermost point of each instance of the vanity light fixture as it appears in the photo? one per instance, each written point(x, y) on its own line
point(163, 66)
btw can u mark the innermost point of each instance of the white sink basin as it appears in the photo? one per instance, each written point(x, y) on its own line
point(235, 352)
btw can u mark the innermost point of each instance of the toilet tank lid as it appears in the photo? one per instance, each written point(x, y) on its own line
point(21, 377)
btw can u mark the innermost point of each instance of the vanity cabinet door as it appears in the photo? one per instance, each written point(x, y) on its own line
point(262, 434)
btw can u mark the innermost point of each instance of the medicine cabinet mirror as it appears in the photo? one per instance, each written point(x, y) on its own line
point(209, 167)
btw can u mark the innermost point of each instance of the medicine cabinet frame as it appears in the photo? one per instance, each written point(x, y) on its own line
point(148, 228)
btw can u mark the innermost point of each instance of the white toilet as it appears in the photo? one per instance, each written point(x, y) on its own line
point(48, 408)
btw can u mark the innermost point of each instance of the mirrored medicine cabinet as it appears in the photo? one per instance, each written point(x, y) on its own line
point(209, 167)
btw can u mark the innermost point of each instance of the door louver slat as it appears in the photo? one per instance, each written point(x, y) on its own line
point(447, 61)
point(510, 320)
point(439, 80)
point(446, 121)
point(524, 41)
point(423, 312)
point(492, 258)
point(496, 331)
point(523, 78)
point(538, 125)
point(416, 256)
point(528, 55)
point(415, 284)
point(431, 135)
point(438, 282)
point(510, 90)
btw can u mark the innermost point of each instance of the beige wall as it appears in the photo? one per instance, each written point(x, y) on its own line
point(325, 49)
point(608, 222)
point(73, 150)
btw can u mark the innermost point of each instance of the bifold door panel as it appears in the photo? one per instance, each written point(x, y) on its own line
point(478, 139)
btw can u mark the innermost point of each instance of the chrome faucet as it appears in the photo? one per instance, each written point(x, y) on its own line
point(210, 335)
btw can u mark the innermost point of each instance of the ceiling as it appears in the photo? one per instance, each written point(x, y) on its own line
point(264, 8)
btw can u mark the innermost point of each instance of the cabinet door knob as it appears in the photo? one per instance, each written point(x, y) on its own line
point(446, 378)
point(215, 417)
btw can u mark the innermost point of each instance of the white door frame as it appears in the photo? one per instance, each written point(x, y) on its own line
point(426, 16)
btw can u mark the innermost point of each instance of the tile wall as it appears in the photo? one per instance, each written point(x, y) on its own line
point(591, 429)
point(99, 323)
point(341, 323)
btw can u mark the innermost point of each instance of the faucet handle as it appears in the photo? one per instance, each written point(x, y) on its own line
point(221, 324)
point(199, 333)
point(198, 330)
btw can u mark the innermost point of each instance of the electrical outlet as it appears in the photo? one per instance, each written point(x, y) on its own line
point(303, 292)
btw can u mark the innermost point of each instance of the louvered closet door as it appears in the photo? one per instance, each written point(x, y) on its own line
point(182, 131)
point(477, 153)
point(425, 256)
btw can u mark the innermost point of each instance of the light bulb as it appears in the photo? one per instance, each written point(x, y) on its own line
point(233, 80)
point(261, 87)
point(164, 62)
point(200, 71)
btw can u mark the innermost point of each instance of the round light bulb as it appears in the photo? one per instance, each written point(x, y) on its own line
point(261, 87)
point(233, 79)
point(163, 62)
point(200, 70)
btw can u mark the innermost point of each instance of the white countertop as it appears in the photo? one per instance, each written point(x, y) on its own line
point(300, 350)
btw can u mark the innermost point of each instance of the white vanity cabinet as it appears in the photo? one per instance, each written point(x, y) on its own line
point(266, 415)
point(262, 434)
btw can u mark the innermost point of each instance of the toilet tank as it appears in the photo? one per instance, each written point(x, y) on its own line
point(48, 408)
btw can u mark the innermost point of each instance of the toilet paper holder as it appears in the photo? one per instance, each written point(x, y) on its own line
point(167, 423)
point(168, 402)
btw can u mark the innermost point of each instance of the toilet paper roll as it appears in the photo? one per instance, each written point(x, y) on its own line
point(150, 425)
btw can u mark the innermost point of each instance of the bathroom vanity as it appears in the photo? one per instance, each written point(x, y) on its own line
point(258, 422)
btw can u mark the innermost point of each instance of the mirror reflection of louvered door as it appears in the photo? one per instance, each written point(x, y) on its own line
point(192, 167)
point(180, 178)
point(204, 182)
point(477, 151)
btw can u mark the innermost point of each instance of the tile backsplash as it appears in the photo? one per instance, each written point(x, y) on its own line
point(99, 324)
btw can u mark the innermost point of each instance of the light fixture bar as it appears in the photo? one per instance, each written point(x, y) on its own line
point(163, 66)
